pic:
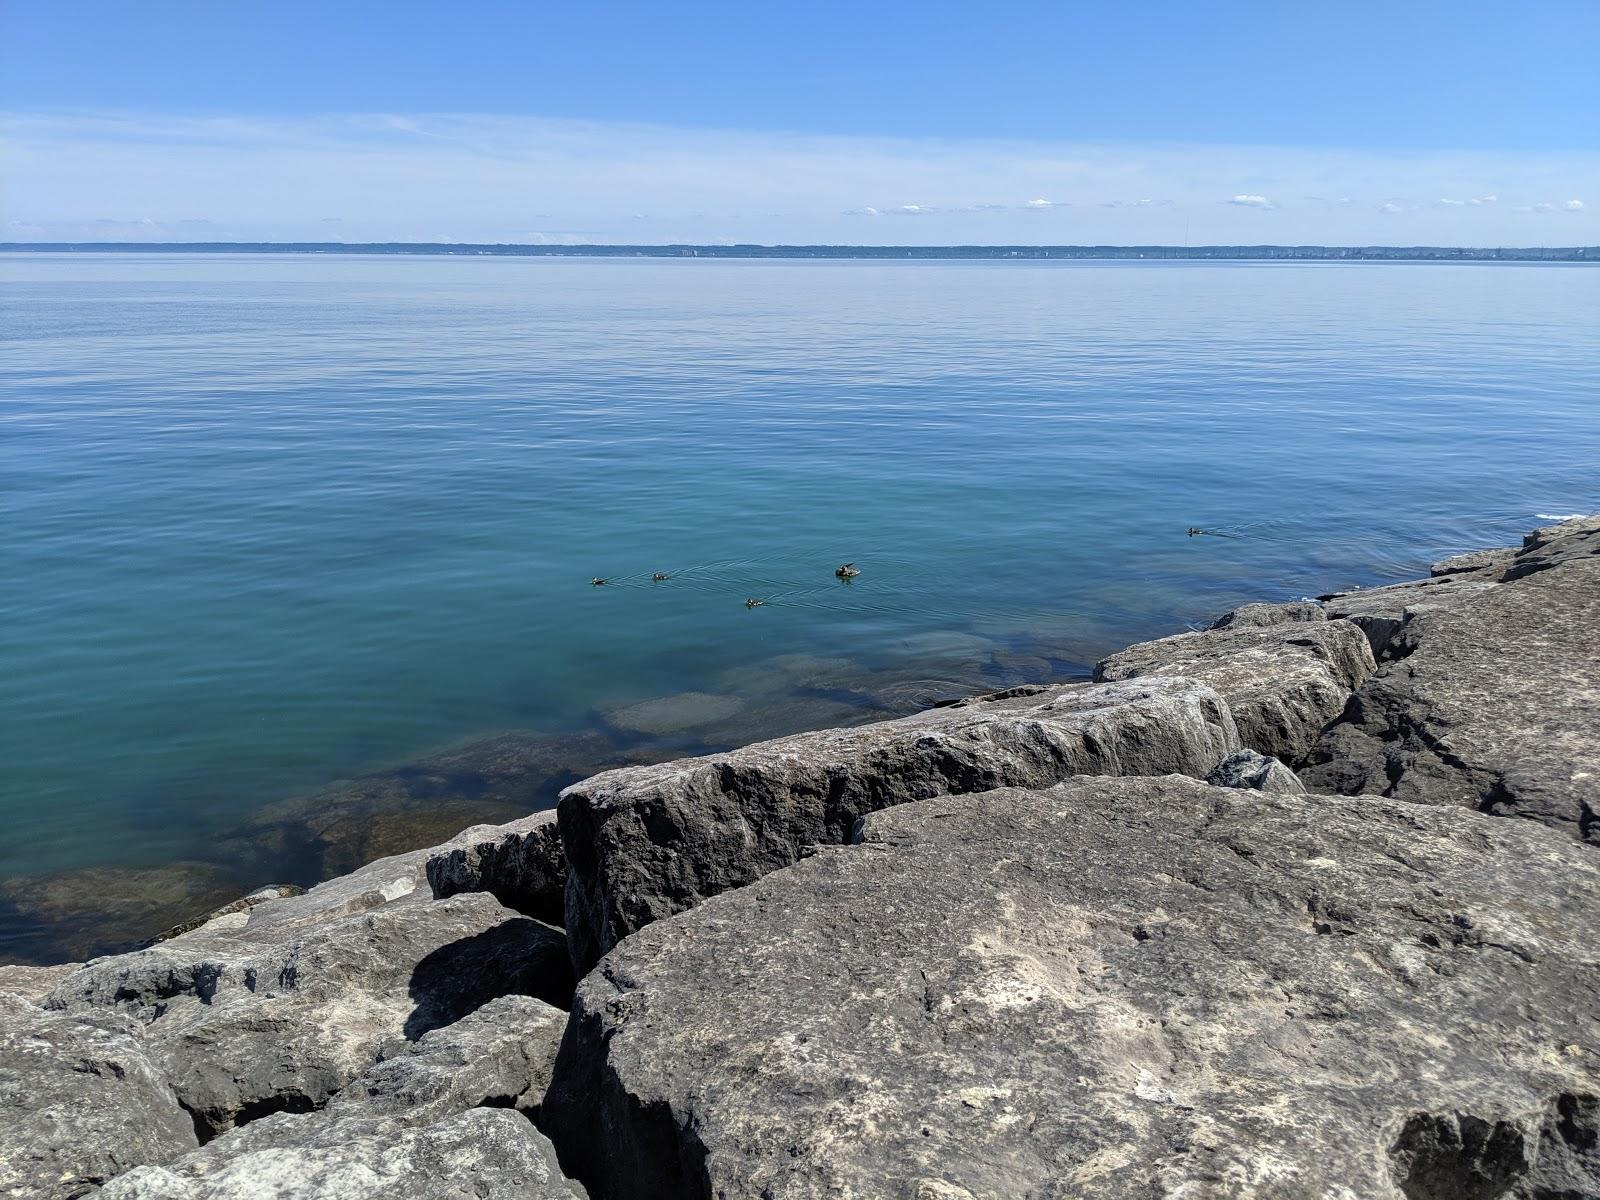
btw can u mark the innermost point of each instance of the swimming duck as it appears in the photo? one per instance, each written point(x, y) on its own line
point(596, 582)
point(658, 577)
point(847, 571)
point(754, 603)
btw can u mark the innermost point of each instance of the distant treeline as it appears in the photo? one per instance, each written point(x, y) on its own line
point(1241, 253)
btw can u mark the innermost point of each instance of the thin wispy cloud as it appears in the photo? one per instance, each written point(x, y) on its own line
point(483, 178)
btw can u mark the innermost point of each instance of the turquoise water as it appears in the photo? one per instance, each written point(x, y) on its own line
point(272, 522)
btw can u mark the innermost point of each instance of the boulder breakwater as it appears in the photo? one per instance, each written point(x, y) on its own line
point(1304, 904)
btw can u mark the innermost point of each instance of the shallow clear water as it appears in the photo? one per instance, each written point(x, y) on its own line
point(271, 522)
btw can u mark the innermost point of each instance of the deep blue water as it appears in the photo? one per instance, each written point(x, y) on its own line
point(275, 521)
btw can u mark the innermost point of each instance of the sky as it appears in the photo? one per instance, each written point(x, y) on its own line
point(1459, 122)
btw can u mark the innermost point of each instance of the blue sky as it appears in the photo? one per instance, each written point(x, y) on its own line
point(1463, 121)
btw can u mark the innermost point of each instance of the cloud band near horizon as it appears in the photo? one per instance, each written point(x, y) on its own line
point(128, 176)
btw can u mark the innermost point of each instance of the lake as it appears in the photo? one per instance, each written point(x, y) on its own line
point(298, 548)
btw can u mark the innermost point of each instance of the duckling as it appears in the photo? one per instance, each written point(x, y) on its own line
point(598, 582)
point(847, 571)
point(754, 603)
point(658, 577)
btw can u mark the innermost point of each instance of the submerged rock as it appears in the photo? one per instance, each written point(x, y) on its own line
point(78, 914)
point(1493, 706)
point(1283, 682)
point(1112, 988)
point(674, 714)
point(336, 830)
point(80, 1102)
point(279, 1007)
point(645, 842)
point(483, 1153)
point(1256, 772)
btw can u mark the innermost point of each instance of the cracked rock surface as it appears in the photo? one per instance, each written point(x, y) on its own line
point(1110, 988)
point(646, 842)
point(80, 1102)
point(1492, 700)
point(481, 1154)
point(279, 1007)
point(1283, 672)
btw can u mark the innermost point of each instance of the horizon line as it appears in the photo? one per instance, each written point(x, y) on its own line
point(1307, 250)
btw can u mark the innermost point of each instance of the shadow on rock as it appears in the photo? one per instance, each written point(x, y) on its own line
point(520, 956)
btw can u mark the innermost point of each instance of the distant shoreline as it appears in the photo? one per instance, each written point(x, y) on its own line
point(1133, 253)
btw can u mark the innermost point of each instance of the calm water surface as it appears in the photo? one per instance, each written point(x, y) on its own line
point(272, 522)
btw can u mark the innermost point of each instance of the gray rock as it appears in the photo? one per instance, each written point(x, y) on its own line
point(1382, 612)
point(481, 1154)
point(673, 714)
point(1283, 682)
point(280, 1006)
point(1258, 616)
point(645, 842)
point(1113, 988)
point(33, 983)
point(521, 864)
point(79, 1103)
point(1494, 706)
point(499, 1056)
point(1577, 540)
point(1257, 772)
point(1486, 564)
point(272, 891)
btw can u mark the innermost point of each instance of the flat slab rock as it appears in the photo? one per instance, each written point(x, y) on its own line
point(280, 1006)
point(482, 1154)
point(80, 1102)
point(1112, 988)
point(1285, 670)
point(1495, 705)
point(646, 842)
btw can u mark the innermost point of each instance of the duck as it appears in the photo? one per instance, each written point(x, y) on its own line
point(597, 582)
point(659, 577)
point(847, 571)
point(754, 603)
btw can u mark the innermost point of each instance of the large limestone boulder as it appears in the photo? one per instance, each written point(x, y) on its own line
point(521, 864)
point(1258, 616)
point(483, 1153)
point(1283, 680)
point(1383, 612)
point(416, 1124)
point(79, 1103)
point(1494, 705)
point(277, 1007)
point(645, 842)
point(1572, 541)
point(500, 1055)
point(1112, 988)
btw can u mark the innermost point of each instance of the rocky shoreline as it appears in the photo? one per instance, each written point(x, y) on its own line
point(1306, 904)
